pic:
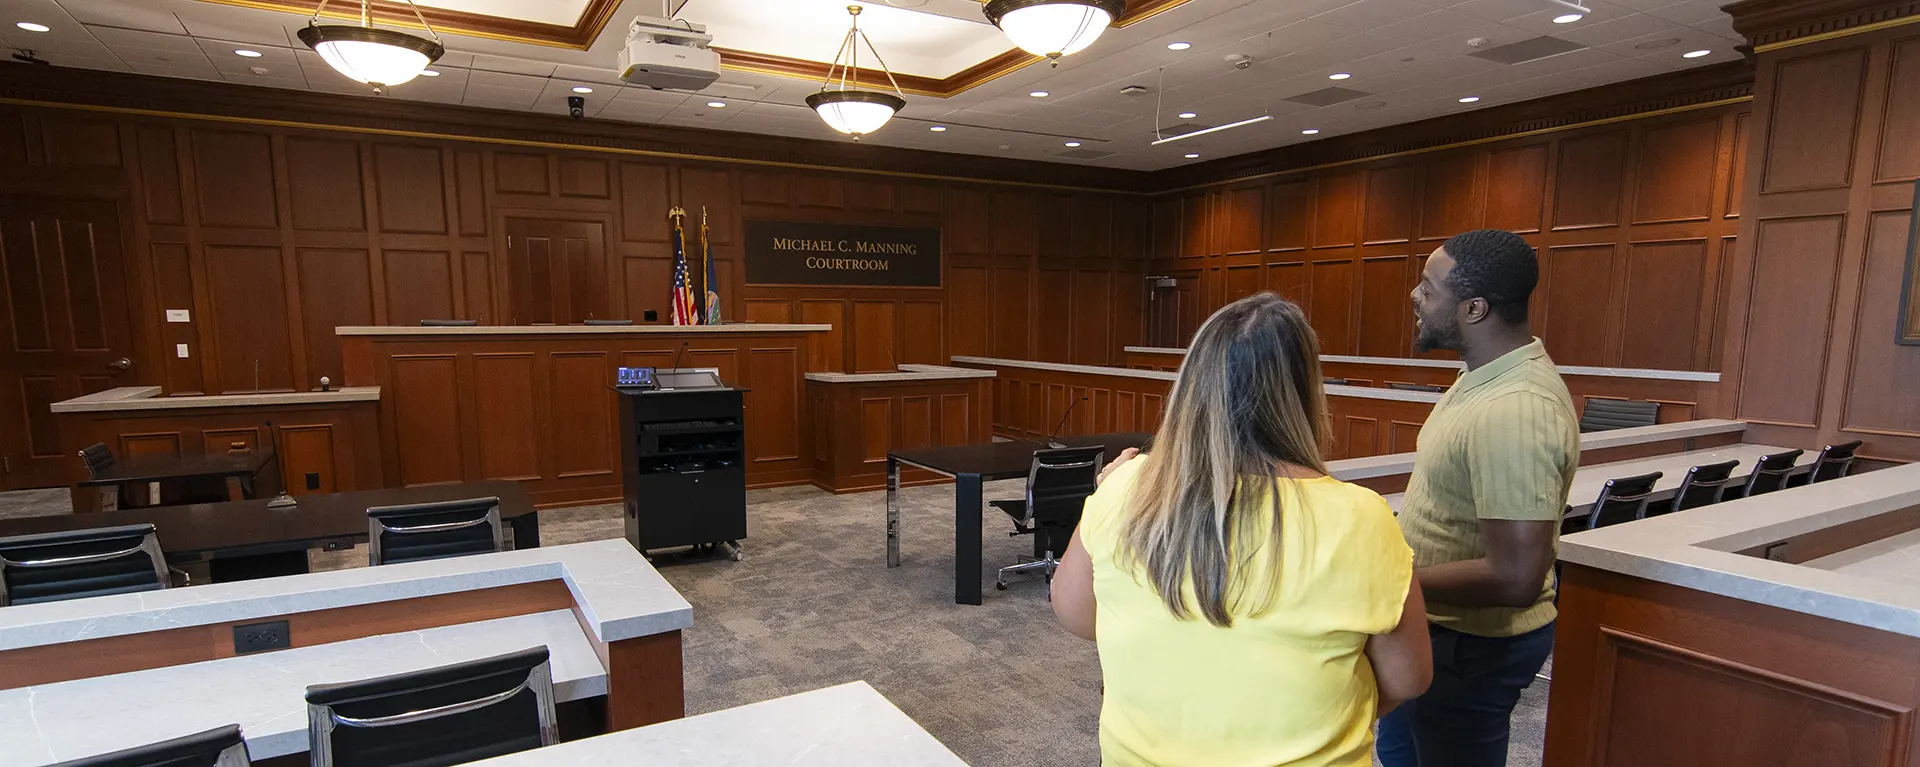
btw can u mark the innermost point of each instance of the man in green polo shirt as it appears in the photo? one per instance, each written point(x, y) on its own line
point(1482, 509)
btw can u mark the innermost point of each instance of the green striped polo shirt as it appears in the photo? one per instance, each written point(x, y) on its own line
point(1502, 443)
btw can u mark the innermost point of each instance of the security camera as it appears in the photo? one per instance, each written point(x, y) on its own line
point(577, 106)
point(1240, 60)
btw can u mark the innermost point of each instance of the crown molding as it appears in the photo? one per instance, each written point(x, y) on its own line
point(1774, 24)
point(58, 87)
point(1681, 91)
point(579, 36)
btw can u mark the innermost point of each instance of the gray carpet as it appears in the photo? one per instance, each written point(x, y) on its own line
point(813, 604)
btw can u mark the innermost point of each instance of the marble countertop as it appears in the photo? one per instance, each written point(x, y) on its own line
point(619, 594)
point(129, 398)
point(905, 373)
point(1352, 469)
point(1422, 362)
point(264, 693)
point(1366, 392)
point(850, 725)
point(1871, 586)
point(561, 330)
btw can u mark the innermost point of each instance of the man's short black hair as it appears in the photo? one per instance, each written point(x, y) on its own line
point(1496, 265)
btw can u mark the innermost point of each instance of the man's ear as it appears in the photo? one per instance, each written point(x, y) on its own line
point(1475, 310)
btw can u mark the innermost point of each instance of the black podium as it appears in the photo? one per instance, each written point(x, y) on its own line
point(683, 458)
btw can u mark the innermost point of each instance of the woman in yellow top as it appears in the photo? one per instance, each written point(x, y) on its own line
point(1249, 609)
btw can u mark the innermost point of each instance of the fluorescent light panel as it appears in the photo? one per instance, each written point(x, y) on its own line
point(1204, 131)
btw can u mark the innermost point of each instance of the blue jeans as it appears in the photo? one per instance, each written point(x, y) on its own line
point(1462, 720)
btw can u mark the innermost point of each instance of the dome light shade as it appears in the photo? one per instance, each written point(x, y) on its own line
point(856, 113)
point(377, 57)
point(1053, 28)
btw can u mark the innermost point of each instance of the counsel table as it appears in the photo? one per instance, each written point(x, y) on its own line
point(970, 465)
point(246, 539)
point(237, 469)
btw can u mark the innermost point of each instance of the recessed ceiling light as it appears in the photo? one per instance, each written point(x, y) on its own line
point(1188, 115)
point(1037, 94)
point(1568, 18)
point(1179, 46)
point(1694, 54)
point(938, 129)
point(32, 27)
point(717, 104)
point(1193, 155)
point(429, 73)
point(1469, 99)
point(1338, 76)
point(246, 53)
point(582, 89)
point(1310, 132)
point(1073, 143)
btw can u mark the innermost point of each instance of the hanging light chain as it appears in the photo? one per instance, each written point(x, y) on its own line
point(366, 16)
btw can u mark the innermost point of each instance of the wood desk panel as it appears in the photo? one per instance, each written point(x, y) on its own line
point(539, 408)
point(855, 425)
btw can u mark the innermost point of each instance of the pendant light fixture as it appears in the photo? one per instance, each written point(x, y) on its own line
point(1053, 28)
point(378, 57)
point(847, 108)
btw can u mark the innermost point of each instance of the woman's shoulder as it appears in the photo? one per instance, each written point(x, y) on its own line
point(1331, 496)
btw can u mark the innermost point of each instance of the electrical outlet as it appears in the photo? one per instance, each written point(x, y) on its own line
point(261, 637)
point(313, 480)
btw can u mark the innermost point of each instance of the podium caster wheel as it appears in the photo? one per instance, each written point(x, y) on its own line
point(737, 556)
point(1000, 585)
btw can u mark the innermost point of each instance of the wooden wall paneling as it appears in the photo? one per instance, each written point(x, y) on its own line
point(922, 337)
point(969, 310)
point(969, 222)
point(1386, 311)
point(1664, 304)
point(1390, 202)
point(1589, 180)
point(920, 198)
point(477, 271)
point(309, 451)
point(818, 191)
point(1094, 318)
point(1290, 279)
point(915, 426)
point(711, 189)
point(159, 172)
point(581, 415)
point(872, 331)
point(1091, 229)
point(828, 352)
point(1674, 178)
point(470, 191)
point(1242, 212)
point(866, 194)
point(336, 290)
point(1580, 304)
point(235, 177)
point(1337, 209)
point(324, 178)
point(1241, 281)
point(1451, 196)
point(1196, 226)
point(1289, 210)
point(411, 189)
point(1010, 312)
point(425, 418)
point(174, 288)
point(506, 397)
point(648, 280)
point(772, 310)
point(1516, 187)
point(520, 173)
point(1054, 315)
point(420, 286)
point(1879, 387)
point(644, 199)
point(1015, 226)
point(1789, 315)
point(774, 377)
point(583, 177)
point(1331, 309)
point(1804, 148)
point(13, 139)
point(876, 428)
point(250, 334)
point(1899, 159)
point(75, 142)
point(765, 187)
point(1166, 228)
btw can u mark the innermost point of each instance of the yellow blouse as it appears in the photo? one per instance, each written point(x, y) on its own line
point(1291, 686)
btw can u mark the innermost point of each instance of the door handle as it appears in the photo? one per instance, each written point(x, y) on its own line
point(123, 363)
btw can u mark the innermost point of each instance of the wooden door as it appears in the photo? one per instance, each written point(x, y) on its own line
point(556, 271)
point(65, 328)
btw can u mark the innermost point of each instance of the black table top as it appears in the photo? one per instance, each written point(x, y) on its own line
point(1006, 460)
point(250, 525)
point(152, 468)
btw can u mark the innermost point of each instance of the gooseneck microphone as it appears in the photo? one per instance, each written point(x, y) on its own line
point(676, 361)
point(1063, 422)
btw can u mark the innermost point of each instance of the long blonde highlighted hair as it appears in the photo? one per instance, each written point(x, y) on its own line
point(1247, 412)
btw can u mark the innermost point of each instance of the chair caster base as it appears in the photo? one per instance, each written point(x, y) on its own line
point(1000, 585)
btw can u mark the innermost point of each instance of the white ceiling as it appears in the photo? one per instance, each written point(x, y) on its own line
point(911, 42)
point(1410, 55)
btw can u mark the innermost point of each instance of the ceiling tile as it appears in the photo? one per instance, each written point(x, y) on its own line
point(505, 80)
point(241, 25)
point(117, 38)
point(512, 65)
point(151, 17)
point(1597, 32)
point(489, 95)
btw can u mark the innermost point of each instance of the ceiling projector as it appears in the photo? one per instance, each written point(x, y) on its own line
point(667, 53)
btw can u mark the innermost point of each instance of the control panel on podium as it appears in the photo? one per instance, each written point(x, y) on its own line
point(683, 457)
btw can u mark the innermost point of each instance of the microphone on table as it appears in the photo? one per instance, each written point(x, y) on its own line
point(676, 361)
point(1063, 422)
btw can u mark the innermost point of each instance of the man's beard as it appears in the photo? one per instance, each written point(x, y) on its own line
point(1430, 336)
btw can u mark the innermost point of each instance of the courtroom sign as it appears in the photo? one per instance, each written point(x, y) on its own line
point(806, 253)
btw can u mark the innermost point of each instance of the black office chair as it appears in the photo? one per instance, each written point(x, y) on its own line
point(419, 531)
point(1058, 484)
point(218, 747)
point(1333, 381)
point(75, 564)
point(1622, 499)
point(1609, 414)
point(98, 458)
point(1834, 462)
point(1770, 473)
point(448, 323)
point(1703, 485)
point(1417, 387)
point(453, 714)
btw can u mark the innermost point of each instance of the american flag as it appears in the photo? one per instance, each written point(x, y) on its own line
point(683, 310)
